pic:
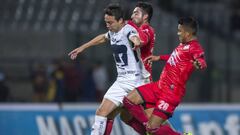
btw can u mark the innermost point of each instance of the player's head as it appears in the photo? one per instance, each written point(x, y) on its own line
point(142, 13)
point(187, 28)
point(113, 17)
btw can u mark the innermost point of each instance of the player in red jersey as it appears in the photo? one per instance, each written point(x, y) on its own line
point(141, 18)
point(165, 94)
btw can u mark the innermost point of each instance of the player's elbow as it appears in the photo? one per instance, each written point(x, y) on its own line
point(204, 67)
point(203, 64)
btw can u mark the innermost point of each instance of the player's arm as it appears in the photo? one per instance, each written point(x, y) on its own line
point(152, 58)
point(144, 36)
point(95, 41)
point(133, 36)
point(157, 58)
point(164, 57)
point(198, 57)
point(136, 41)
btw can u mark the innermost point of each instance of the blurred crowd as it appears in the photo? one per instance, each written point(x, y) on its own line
point(235, 17)
point(64, 81)
point(4, 89)
point(69, 81)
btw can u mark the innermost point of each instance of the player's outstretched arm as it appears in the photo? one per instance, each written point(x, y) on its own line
point(95, 41)
point(150, 59)
point(164, 57)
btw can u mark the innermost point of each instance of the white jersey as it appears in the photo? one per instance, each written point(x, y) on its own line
point(128, 61)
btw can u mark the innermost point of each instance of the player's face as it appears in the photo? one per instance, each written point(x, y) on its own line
point(137, 16)
point(182, 34)
point(112, 24)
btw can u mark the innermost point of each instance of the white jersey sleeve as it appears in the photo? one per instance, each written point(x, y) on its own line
point(107, 35)
point(130, 31)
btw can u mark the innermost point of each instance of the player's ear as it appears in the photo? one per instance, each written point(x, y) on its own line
point(145, 17)
point(188, 34)
point(121, 20)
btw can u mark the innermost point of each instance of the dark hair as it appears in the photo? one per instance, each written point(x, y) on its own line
point(190, 23)
point(114, 10)
point(147, 8)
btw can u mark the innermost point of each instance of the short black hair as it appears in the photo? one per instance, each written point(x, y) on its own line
point(190, 23)
point(147, 8)
point(115, 10)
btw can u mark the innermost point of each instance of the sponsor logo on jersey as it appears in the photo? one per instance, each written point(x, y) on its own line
point(174, 58)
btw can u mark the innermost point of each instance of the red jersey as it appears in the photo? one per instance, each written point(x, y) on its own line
point(179, 67)
point(147, 37)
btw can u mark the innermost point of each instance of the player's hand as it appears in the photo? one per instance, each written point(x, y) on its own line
point(73, 54)
point(197, 64)
point(150, 59)
point(136, 46)
point(136, 41)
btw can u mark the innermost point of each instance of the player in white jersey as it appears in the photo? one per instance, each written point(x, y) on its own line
point(128, 63)
point(125, 44)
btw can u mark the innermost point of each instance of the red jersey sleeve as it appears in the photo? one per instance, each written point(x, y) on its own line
point(144, 36)
point(164, 57)
point(132, 24)
point(198, 54)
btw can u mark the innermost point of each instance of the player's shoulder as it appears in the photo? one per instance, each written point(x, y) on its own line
point(128, 29)
point(195, 44)
point(128, 26)
point(109, 34)
point(147, 27)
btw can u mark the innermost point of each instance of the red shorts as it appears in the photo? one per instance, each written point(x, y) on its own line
point(154, 97)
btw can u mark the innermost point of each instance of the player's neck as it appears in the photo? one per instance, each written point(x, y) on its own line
point(145, 23)
point(120, 27)
point(191, 39)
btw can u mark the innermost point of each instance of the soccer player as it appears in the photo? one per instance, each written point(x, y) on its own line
point(141, 18)
point(128, 63)
point(167, 93)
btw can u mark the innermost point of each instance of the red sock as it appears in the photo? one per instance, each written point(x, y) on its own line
point(163, 130)
point(108, 127)
point(137, 126)
point(135, 110)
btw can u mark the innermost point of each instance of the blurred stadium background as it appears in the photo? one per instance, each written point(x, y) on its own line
point(37, 35)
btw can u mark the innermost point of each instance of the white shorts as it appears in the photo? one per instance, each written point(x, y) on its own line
point(119, 89)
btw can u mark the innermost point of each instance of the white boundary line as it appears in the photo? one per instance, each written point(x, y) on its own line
point(28, 107)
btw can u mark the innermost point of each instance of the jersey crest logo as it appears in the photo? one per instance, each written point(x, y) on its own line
point(186, 47)
point(114, 39)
